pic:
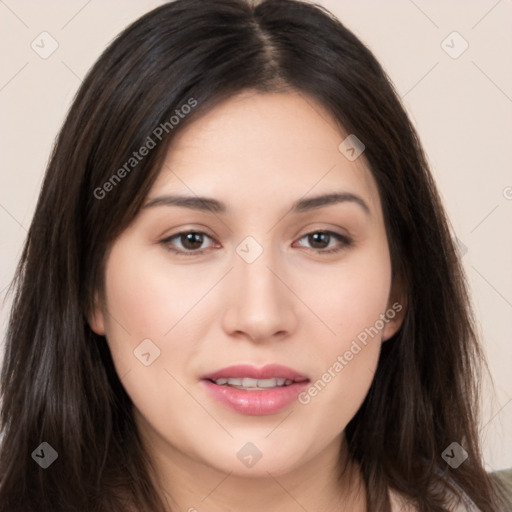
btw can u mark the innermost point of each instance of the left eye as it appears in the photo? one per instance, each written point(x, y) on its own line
point(187, 242)
point(325, 241)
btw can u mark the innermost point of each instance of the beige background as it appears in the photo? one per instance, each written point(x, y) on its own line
point(461, 106)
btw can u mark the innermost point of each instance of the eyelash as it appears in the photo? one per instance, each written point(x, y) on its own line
point(345, 242)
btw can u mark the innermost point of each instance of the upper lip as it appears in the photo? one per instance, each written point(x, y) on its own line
point(269, 371)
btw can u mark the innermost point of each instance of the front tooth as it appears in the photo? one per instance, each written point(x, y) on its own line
point(268, 383)
point(250, 383)
point(247, 382)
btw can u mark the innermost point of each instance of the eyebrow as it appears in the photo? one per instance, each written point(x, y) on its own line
point(312, 203)
point(213, 205)
point(194, 203)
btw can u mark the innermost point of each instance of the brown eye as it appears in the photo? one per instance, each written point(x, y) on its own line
point(319, 240)
point(188, 242)
point(191, 241)
point(324, 241)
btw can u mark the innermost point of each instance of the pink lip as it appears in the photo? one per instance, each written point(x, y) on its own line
point(256, 402)
point(269, 371)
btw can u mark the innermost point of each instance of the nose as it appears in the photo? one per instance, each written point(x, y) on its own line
point(260, 306)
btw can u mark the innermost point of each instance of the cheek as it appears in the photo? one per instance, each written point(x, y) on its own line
point(351, 303)
point(152, 301)
point(351, 296)
point(151, 298)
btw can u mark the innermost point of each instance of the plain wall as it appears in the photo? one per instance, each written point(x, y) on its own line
point(462, 108)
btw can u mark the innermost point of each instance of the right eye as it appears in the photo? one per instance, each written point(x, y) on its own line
point(187, 243)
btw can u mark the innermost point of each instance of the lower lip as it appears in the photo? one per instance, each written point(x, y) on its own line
point(259, 402)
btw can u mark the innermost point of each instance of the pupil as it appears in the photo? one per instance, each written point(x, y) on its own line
point(192, 241)
point(319, 240)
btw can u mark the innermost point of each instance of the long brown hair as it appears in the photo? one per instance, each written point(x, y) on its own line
point(58, 382)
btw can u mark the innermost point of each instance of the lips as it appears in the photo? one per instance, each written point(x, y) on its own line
point(255, 391)
point(270, 371)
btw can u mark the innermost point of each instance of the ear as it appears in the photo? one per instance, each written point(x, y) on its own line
point(395, 312)
point(96, 317)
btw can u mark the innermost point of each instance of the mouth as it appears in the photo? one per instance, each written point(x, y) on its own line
point(255, 391)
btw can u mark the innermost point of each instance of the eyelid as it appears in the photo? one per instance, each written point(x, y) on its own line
point(325, 227)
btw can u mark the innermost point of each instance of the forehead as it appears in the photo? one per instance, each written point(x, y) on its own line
point(278, 146)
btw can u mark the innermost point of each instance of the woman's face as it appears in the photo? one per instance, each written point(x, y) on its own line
point(280, 275)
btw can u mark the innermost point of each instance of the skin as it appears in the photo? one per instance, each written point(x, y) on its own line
point(294, 305)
